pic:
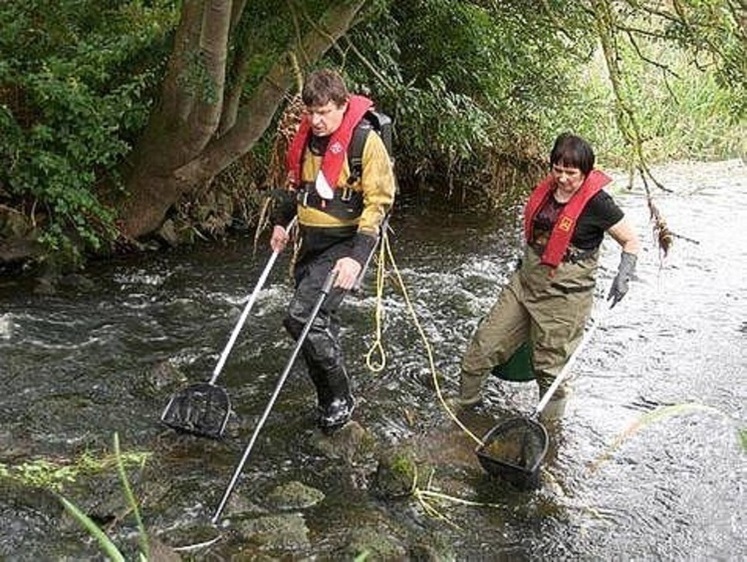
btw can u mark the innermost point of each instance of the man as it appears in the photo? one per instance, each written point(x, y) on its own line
point(340, 210)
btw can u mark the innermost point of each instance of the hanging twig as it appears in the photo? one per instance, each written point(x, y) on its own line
point(627, 120)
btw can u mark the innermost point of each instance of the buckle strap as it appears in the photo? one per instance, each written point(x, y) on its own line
point(572, 255)
point(575, 255)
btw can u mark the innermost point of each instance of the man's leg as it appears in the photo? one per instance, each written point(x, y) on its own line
point(321, 349)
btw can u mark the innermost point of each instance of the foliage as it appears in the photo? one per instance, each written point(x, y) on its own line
point(466, 87)
point(684, 112)
point(713, 34)
point(479, 87)
point(478, 90)
point(54, 474)
point(74, 85)
point(106, 543)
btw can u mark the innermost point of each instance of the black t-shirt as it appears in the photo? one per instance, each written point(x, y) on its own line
point(599, 214)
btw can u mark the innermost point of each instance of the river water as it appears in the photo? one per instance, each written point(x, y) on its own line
point(647, 463)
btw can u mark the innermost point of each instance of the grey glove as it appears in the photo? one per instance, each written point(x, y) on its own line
point(620, 282)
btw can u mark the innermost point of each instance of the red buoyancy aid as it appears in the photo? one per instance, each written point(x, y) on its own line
point(562, 232)
point(334, 157)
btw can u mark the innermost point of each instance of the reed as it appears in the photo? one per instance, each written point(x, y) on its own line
point(662, 413)
point(684, 112)
point(106, 543)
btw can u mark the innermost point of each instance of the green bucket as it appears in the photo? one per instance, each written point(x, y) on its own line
point(518, 368)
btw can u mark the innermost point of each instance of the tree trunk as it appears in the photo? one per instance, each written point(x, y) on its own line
point(180, 150)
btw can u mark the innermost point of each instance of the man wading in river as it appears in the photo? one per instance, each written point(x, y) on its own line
point(340, 212)
point(549, 298)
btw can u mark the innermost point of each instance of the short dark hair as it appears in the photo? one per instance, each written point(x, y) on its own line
point(323, 86)
point(572, 151)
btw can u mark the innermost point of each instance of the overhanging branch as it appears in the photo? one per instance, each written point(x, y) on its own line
point(256, 115)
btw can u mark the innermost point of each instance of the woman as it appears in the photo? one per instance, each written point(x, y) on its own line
point(549, 298)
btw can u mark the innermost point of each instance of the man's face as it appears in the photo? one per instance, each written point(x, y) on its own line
point(326, 119)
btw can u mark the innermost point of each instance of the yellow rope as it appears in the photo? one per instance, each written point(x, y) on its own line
point(386, 251)
point(377, 347)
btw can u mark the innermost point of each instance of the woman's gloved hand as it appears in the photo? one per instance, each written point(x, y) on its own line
point(620, 283)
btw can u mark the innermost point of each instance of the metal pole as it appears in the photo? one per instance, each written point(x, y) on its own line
point(240, 467)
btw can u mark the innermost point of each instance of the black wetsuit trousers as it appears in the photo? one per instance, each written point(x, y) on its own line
point(321, 350)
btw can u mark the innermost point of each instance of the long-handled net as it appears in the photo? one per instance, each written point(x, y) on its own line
point(514, 450)
point(200, 409)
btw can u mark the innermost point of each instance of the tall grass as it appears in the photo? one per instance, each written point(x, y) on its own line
point(106, 543)
point(683, 112)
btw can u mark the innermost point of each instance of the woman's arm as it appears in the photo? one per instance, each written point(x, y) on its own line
point(622, 231)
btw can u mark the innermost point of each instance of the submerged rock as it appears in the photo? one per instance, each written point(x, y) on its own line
point(396, 473)
point(276, 532)
point(350, 443)
point(372, 543)
point(76, 281)
point(294, 495)
point(160, 552)
point(161, 377)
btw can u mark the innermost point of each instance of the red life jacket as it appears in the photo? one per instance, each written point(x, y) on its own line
point(334, 157)
point(562, 232)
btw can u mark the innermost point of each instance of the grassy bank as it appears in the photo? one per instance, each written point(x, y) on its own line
point(683, 112)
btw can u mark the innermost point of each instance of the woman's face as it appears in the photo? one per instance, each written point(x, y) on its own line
point(567, 179)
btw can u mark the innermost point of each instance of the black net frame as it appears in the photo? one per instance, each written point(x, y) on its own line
point(514, 450)
point(200, 409)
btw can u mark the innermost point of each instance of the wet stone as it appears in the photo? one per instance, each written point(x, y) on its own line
point(22, 497)
point(162, 376)
point(431, 548)
point(160, 552)
point(277, 532)
point(77, 282)
point(241, 506)
point(294, 495)
point(12, 447)
point(375, 543)
point(395, 473)
point(189, 538)
point(350, 443)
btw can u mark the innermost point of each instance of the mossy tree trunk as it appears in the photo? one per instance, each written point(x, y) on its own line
point(200, 128)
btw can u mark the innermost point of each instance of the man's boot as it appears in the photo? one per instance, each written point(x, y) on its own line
point(340, 409)
point(555, 408)
point(324, 395)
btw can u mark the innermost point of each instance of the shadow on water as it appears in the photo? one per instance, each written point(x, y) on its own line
point(632, 473)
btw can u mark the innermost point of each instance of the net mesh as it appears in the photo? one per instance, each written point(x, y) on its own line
point(201, 409)
point(514, 450)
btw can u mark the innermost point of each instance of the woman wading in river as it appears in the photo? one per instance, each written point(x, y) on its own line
point(549, 298)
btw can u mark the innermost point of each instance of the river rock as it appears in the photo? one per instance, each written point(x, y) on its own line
point(168, 234)
point(76, 281)
point(45, 286)
point(162, 376)
point(276, 532)
point(13, 447)
point(349, 443)
point(395, 473)
point(294, 495)
point(22, 497)
point(372, 543)
point(160, 552)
